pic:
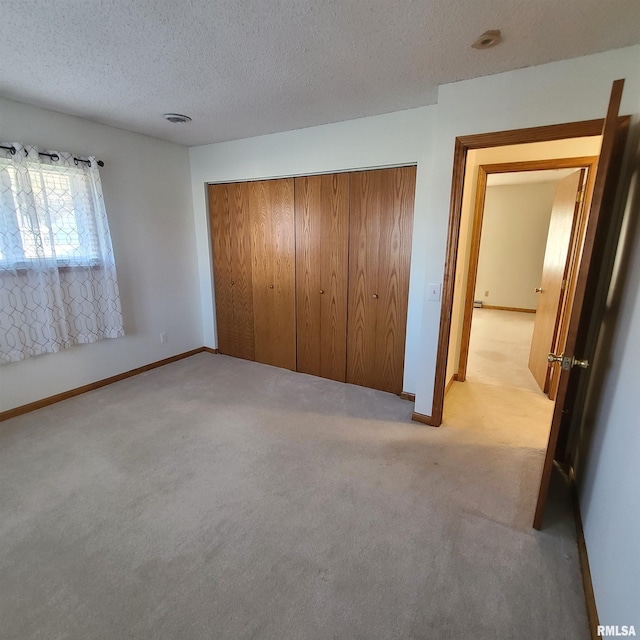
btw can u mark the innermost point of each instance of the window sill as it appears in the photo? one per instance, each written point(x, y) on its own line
point(24, 267)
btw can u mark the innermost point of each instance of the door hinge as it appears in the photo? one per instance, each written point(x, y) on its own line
point(580, 196)
point(564, 284)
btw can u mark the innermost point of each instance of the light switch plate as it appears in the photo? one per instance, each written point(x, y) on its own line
point(433, 291)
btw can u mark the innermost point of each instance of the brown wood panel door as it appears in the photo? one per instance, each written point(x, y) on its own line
point(571, 274)
point(564, 216)
point(396, 230)
point(241, 285)
point(364, 232)
point(322, 232)
point(592, 282)
point(222, 266)
point(271, 206)
point(381, 217)
point(308, 203)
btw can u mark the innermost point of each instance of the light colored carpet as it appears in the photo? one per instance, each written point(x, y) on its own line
point(219, 498)
point(499, 349)
point(500, 400)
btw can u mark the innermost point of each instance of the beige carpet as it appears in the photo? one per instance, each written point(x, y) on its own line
point(499, 349)
point(500, 399)
point(219, 498)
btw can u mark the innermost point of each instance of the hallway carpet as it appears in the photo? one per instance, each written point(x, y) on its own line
point(499, 349)
point(501, 400)
point(222, 499)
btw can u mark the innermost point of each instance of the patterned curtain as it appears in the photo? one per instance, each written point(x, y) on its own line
point(58, 284)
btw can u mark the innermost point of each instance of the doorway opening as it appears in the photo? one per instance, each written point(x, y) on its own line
point(516, 274)
point(527, 228)
point(497, 406)
point(470, 152)
point(594, 266)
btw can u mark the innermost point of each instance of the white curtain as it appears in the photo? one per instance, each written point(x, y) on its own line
point(58, 285)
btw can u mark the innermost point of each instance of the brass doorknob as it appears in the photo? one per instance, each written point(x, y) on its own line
point(538, 289)
point(567, 362)
point(375, 295)
point(321, 291)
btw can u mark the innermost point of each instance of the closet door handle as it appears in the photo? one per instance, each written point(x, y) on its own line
point(375, 295)
point(270, 286)
point(321, 291)
point(233, 282)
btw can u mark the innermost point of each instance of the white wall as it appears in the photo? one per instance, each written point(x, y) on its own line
point(565, 91)
point(514, 236)
point(148, 198)
point(393, 139)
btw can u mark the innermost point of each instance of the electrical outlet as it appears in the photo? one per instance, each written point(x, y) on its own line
point(486, 294)
point(163, 337)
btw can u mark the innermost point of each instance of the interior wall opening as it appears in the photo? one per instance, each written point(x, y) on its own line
point(508, 229)
point(515, 235)
point(515, 260)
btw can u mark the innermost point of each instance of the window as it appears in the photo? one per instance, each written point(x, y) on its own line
point(58, 284)
point(54, 225)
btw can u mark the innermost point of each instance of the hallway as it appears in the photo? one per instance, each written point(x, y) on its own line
point(500, 399)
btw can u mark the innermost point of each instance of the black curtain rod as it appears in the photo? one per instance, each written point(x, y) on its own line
point(53, 156)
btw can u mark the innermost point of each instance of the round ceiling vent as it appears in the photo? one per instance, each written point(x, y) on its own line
point(176, 118)
point(488, 39)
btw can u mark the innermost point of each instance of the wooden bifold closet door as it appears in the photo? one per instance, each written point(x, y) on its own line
point(312, 273)
point(322, 256)
point(381, 221)
point(231, 244)
point(271, 206)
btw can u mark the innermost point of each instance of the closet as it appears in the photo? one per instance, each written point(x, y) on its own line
point(312, 273)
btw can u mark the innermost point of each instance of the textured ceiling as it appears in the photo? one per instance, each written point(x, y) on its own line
point(241, 68)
